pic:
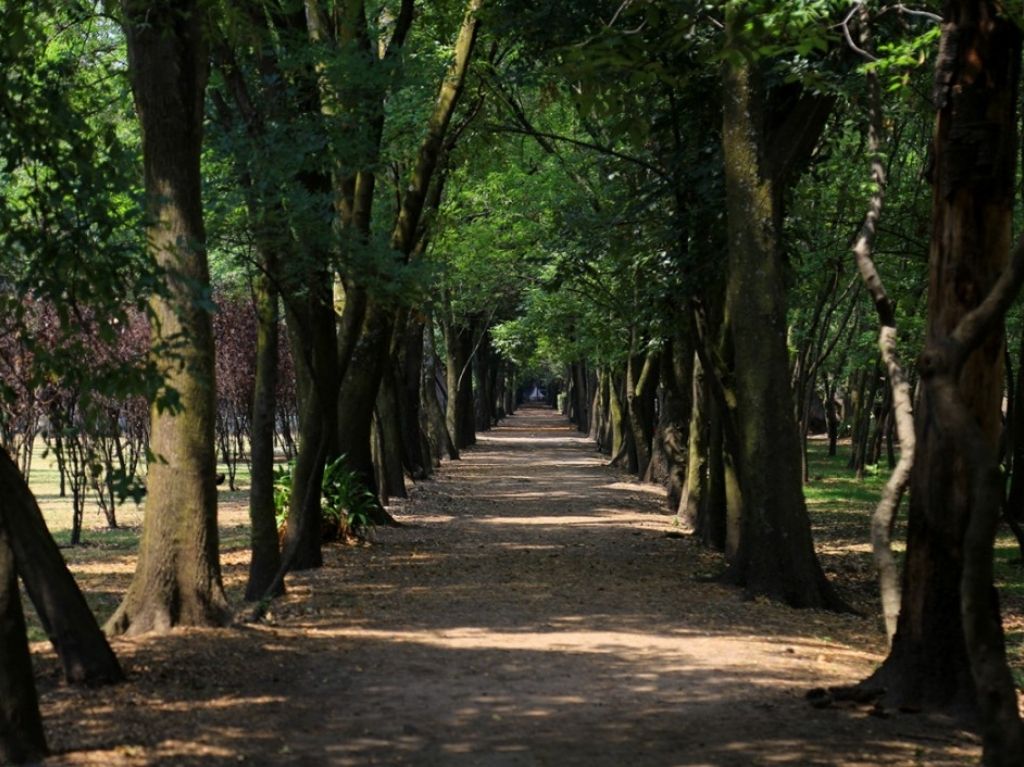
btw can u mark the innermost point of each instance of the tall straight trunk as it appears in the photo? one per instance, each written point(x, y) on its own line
point(696, 452)
point(21, 726)
point(776, 554)
point(408, 370)
point(390, 464)
point(857, 396)
point(831, 416)
point(623, 452)
point(602, 407)
point(266, 555)
point(358, 393)
point(947, 583)
point(177, 579)
point(713, 514)
point(311, 333)
point(1015, 501)
point(437, 431)
point(483, 362)
point(583, 395)
point(641, 387)
point(862, 445)
point(460, 416)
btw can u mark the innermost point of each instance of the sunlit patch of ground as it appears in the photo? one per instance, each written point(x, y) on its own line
point(536, 608)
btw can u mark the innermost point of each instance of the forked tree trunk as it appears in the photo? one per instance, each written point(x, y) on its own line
point(776, 556)
point(641, 385)
point(177, 578)
point(974, 157)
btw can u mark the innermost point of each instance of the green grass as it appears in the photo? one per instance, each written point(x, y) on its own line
point(105, 559)
point(841, 505)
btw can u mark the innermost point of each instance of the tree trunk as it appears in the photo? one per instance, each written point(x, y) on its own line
point(602, 406)
point(858, 393)
point(776, 556)
point(266, 556)
point(358, 393)
point(408, 362)
point(623, 452)
point(391, 467)
point(973, 161)
point(695, 485)
point(177, 578)
point(437, 431)
point(641, 385)
point(84, 652)
point(460, 416)
point(1015, 501)
point(21, 727)
point(311, 333)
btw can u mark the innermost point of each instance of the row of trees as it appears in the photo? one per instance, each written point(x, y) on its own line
point(717, 283)
point(670, 218)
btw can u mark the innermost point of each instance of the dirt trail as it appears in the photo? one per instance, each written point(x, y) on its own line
point(536, 609)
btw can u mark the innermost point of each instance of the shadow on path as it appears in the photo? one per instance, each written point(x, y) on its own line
point(537, 609)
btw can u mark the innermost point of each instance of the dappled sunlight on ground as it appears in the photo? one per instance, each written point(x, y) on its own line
point(536, 608)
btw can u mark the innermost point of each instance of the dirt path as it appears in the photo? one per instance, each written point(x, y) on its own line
point(537, 609)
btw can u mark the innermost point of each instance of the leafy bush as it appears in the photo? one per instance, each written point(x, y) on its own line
point(347, 506)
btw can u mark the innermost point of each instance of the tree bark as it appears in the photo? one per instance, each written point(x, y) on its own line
point(177, 579)
point(973, 161)
point(84, 652)
point(266, 555)
point(776, 556)
point(21, 726)
point(391, 465)
point(460, 415)
point(408, 363)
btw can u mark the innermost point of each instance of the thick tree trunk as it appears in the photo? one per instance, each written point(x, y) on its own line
point(266, 555)
point(973, 161)
point(311, 332)
point(668, 456)
point(390, 466)
point(623, 453)
point(408, 362)
point(602, 415)
point(436, 428)
point(776, 556)
point(177, 578)
point(580, 379)
point(460, 415)
point(358, 393)
point(21, 727)
point(641, 386)
point(484, 362)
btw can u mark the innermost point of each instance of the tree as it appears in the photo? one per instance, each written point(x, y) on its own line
point(972, 173)
point(761, 150)
point(177, 578)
